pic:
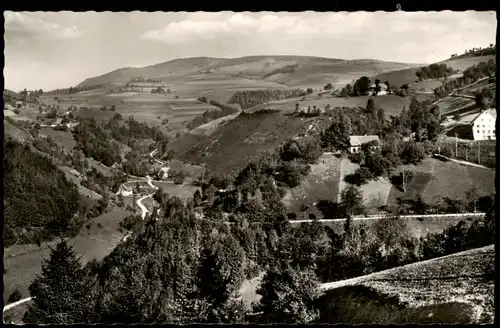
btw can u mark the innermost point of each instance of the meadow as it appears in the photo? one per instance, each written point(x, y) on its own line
point(96, 239)
point(63, 138)
point(392, 104)
point(459, 278)
point(444, 179)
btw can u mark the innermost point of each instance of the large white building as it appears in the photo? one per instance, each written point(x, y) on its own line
point(476, 126)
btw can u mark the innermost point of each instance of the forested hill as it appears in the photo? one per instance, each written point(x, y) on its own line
point(39, 202)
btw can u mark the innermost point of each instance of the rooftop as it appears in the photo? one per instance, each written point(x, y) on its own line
point(359, 140)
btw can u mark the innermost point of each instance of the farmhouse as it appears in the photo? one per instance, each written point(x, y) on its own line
point(163, 173)
point(355, 142)
point(124, 191)
point(476, 126)
point(379, 90)
point(19, 104)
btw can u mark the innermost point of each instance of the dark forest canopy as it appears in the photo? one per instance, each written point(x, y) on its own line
point(39, 201)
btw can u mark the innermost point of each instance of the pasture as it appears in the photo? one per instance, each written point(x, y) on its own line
point(456, 278)
point(62, 138)
point(392, 104)
point(445, 179)
point(321, 183)
point(96, 239)
point(184, 191)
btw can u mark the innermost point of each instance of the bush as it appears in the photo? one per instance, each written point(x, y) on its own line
point(361, 176)
point(412, 153)
point(179, 177)
point(357, 158)
point(15, 296)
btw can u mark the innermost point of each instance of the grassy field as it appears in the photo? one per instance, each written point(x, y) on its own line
point(17, 133)
point(62, 138)
point(414, 226)
point(184, 192)
point(96, 239)
point(445, 179)
point(321, 183)
point(458, 278)
point(391, 104)
point(407, 76)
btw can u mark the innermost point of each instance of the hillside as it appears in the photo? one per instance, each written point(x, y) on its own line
point(234, 144)
point(281, 70)
point(407, 76)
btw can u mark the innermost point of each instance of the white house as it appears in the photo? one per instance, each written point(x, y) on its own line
point(163, 173)
point(355, 142)
point(124, 191)
point(382, 91)
point(476, 126)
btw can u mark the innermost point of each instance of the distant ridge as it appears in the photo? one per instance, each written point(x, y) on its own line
point(308, 68)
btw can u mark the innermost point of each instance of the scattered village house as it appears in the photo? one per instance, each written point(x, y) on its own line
point(19, 104)
point(124, 191)
point(378, 90)
point(476, 126)
point(355, 142)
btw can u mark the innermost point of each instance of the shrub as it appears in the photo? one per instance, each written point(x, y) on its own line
point(15, 296)
point(412, 152)
point(361, 176)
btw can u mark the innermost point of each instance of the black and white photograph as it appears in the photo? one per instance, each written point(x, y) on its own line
point(264, 167)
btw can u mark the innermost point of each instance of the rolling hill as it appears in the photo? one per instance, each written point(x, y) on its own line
point(280, 70)
point(407, 76)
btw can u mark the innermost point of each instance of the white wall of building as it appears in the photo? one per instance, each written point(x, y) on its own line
point(484, 127)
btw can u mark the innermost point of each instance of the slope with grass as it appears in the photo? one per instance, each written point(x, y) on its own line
point(240, 140)
point(95, 240)
point(457, 278)
point(391, 104)
point(272, 68)
point(407, 76)
point(444, 179)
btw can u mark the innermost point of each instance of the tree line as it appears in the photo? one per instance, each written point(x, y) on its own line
point(434, 71)
point(476, 52)
point(252, 98)
point(469, 76)
point(211, 114)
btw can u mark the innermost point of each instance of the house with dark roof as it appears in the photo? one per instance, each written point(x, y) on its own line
point(355, 142)
point(478, 126)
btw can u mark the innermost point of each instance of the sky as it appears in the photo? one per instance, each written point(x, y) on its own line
point(51, 50)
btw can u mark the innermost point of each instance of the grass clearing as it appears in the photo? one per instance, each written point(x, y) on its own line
point(23, 262)
point(459, 278)
point(414, 226)
point(184, 191)
point(363, 305)
point(321, 183)
point(448, 179)
point(62, 138)
point(392, 104)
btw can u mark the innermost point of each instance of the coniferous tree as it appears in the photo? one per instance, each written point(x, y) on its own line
point(59, 294)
